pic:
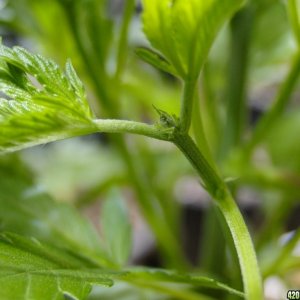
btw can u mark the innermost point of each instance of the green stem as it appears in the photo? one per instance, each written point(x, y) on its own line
point(179, 294)
point(294, 19)
point(210, 107)
point(241, 31)
point(122, 43)
point(277, 109)
point(273, 226)
point(94, 75)
point(200, 137)
point(124, 126)
point(187, 104)
point(238, 229)
point(283, 255)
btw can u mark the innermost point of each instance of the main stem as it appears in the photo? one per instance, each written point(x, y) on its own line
point(223, 199)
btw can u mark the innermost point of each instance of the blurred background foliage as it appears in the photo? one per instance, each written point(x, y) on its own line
point(172, 221)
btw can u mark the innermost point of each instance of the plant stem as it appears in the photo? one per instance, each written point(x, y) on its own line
point(241, 32)
point(187, 104)
point(94, 75)
point(285, 253)
point(273, 226)
point(294, 19)
point(284, 95)
point(122, 43)
point(239, 232)
point(198, 129)
point(124, 126)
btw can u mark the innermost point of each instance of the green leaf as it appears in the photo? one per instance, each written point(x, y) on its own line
point(156, 60)
point(28, 272)
point(44, 103)
point(116, 228)
point(26, 210)
point(183, 31)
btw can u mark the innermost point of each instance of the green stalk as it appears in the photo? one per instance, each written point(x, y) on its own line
point(94, 75)
point(122, 43)
point(241, 31)
point(238, 229)
point(124, 126)
point(175, 293)
point(278, 106)
point(189, 88)
point(198, 129)
point(294, 18)
point(210, 107)
point(274, 224)
point(284, 254)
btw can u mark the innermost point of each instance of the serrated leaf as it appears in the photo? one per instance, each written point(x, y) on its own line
point(26, 210)
point(116, 228)
point(50, 107)
point(75, 81)
point(156, 60)
point(183, 31)
point(27, 272)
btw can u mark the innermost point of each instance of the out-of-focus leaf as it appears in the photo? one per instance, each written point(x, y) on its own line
point(116, 227)
point(183, 31)
point(27, 271)
point(27, 211)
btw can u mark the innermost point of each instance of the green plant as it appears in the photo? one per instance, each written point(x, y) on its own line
point(49, 251)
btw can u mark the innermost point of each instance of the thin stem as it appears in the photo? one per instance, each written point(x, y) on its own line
point(277, 109)
point(294, 19)
point(179, 294)
point(283, 255)
point(187, 104)
point(122, 43)
point(94, 75)
point(241, 31)
point(274, 224)
point(197, 125)
point(210, 106)
point(124, 126)
point(238, 229)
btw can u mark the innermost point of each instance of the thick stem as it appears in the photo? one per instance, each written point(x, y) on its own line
point(238, 229)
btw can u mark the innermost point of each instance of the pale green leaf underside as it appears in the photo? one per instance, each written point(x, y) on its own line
point(43, 103)
point(28, 272)
point(183, 31)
